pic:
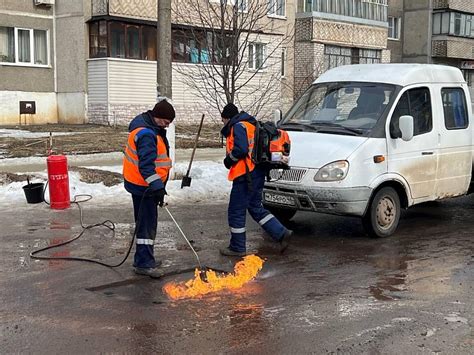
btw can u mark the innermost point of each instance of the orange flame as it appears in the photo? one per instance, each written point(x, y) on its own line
point(244, 271)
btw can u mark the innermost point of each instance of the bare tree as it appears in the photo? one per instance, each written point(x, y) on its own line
point(235, 48)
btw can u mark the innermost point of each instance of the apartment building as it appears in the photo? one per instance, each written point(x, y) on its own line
point(95, 60)
point(330, 33)
point(433, 31)
point(36, 65)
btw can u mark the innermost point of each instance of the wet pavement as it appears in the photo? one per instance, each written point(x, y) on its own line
point(334, 291)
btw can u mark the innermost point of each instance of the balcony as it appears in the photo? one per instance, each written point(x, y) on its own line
point(372, 11)
point(136, 9)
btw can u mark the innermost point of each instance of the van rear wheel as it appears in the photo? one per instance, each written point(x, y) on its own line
point(382, 217)
point(282, 214)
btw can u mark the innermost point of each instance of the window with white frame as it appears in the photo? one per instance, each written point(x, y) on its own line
point(23, 46)
point(276, 7)
point(283, 62)
point(256, 56)
point(393, 27)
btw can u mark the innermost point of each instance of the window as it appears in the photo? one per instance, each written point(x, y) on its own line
point(453, 23)
point(256, 56)
point(23, 46)
point(394, 27)
point(367, 9)
point(149, 43)
point(416, 103)
point(455, 108)
point(283, 62)
point(276, 7)
point(98, 39)
point(199, 46)
point(117, 40)
point(335, 56)
point(7, 44)
point(122, 40)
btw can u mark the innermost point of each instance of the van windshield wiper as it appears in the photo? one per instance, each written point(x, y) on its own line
point(297, 126)
point(356, 131)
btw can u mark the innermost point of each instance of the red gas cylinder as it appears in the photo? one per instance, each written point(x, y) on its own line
point(58, 182)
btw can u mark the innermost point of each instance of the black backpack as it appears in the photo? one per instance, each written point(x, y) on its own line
point(271, 147)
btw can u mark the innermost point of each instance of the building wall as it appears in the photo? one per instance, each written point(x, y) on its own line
point(27, 78)
point(27, 83)
point(460, 5)
point(417, 31)
point(313, 33)
point(71, 37)
point(349, 34)
point(121, 88)
point(395, 9)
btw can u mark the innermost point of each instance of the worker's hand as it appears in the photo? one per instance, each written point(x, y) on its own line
point(159, 194)
point(228, 162)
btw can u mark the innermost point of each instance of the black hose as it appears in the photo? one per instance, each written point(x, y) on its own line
point(107, 223)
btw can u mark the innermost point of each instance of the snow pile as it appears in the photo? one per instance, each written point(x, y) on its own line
point(18, 133)
point(209, 183)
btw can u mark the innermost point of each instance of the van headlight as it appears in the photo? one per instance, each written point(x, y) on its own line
point(334, 171)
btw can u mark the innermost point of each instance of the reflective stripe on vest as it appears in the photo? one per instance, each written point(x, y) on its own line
point(240, 168)
point(131, 171)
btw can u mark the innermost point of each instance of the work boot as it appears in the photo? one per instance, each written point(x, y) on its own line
point(152, 272)
point(285, 240)
point(229, 252)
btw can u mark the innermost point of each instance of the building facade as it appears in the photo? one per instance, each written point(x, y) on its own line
point(434, 31)
point(36, 64)
point(330, 33)
point(95, 60)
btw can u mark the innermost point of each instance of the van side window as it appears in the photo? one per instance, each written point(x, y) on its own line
point(416, 103)
point(454, 107)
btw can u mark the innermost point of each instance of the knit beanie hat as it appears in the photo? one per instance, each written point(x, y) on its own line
point(229, 111)
point(163, 109)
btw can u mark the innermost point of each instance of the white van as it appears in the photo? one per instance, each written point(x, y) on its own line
point(368, 140)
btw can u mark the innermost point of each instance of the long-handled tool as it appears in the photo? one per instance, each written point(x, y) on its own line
point(186, 179)
point(202, 271)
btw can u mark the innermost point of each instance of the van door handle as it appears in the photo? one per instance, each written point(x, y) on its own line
point(427, 153)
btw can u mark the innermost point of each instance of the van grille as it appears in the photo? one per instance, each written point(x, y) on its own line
point(291, 175)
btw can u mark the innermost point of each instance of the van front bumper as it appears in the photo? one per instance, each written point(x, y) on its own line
point(341, 201)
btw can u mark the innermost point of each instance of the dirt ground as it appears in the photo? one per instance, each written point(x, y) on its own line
point(89, 139)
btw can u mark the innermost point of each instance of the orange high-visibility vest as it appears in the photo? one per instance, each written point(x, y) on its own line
point(246, 164)
point(131, 173)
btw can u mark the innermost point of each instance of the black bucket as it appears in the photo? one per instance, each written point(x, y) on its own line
point(34, 192)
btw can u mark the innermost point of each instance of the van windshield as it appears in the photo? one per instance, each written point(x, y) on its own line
point(350, 108)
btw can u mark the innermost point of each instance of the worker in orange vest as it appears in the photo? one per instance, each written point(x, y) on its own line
point(146, 166)
point(247, 184)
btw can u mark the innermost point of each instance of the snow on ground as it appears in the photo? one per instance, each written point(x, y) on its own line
point(209, 184)
point(18, 133)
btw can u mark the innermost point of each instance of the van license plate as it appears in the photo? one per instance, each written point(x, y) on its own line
point(280, 199)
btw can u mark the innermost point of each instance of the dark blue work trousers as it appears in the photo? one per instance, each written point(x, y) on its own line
point(243, 199)
point(146, 219)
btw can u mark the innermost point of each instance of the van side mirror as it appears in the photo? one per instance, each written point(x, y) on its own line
point(277, 116)
point(407, 127)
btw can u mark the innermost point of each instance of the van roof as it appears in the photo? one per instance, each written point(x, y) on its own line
point(398, 74)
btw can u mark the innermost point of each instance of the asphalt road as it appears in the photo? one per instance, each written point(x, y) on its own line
point(334, 291)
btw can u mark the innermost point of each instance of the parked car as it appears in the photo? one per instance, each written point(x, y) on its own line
point(369, 140)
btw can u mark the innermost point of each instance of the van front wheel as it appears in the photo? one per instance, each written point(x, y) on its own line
point(383, 215)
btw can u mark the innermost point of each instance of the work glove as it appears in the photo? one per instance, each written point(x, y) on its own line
point(228, 162)
point(158, 194)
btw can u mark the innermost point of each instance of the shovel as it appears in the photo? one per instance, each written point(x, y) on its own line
point(186, 179)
